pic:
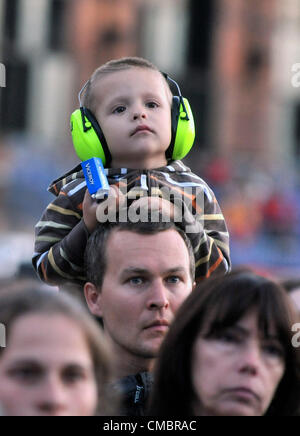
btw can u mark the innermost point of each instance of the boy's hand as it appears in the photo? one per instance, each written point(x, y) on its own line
point(93, 211)
point(165, 207)
point(89, 207)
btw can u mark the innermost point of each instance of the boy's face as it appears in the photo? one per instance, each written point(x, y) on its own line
point(133, 108)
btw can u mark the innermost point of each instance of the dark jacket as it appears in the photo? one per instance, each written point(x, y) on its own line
point(134, 391)
point(61, 234)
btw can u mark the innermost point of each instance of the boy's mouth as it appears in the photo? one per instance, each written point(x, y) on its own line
point(141, 128)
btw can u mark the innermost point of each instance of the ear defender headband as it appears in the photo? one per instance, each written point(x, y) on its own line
point(183, 127)
point(89, 140)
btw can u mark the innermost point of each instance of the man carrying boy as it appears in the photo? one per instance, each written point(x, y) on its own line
point(138, 276)
point(131, 100)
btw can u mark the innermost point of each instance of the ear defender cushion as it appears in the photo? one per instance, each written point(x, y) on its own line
point(183, 130)
point(88, 138)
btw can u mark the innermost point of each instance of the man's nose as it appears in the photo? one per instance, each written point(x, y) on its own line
point(52, 397)
point(158, 296)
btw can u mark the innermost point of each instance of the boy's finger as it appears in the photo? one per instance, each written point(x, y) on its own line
point(116, 193)
point(87, 199)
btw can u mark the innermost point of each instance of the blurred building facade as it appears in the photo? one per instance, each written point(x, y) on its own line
point(233, 59)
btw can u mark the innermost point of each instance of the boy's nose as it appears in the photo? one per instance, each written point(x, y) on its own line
point(139, 114)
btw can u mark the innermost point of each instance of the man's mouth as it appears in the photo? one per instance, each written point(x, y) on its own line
point(158, 324)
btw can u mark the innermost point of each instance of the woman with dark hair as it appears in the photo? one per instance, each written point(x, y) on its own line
point(54, 360)
point(229, 352)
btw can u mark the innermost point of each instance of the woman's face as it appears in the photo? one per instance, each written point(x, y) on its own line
point(237, 372)
point(47, 369)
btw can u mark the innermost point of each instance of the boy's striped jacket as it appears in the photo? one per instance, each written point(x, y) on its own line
point(61, 235)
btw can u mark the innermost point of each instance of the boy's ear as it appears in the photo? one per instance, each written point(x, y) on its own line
point(93, 298)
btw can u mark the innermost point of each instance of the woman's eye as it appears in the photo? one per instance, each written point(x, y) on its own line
point(26, 375)
point(73, 376)
point(274, 350)
point(119, 109)
point(229, 338)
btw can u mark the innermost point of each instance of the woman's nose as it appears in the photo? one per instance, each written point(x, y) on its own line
point(250, 359)
point(52, 397)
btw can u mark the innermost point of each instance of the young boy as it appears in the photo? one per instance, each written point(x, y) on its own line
point(132, 101)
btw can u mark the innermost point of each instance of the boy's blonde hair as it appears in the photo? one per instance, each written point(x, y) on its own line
point(111, 67)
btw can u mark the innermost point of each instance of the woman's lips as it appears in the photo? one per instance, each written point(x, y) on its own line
point(244, 393)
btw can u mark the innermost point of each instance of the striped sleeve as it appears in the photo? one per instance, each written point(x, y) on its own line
point(60, 241)
point(208, 233)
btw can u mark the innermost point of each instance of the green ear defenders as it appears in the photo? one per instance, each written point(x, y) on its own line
point(183, 127)
point(89, 141)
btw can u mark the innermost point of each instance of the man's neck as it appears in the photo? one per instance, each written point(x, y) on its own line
point(133, 365)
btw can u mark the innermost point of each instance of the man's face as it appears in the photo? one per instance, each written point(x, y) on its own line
point(147, 278)
point(133, 108)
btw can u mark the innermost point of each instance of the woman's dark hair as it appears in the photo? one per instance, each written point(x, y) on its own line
point(216, 304)
point(41, 302)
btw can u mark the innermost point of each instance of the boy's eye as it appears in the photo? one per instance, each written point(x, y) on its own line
point(119, 109)
point(152, 104)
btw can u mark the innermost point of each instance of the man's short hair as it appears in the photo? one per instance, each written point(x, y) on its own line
point(95, 253)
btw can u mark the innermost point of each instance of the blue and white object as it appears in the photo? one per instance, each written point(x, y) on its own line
point(95, 177)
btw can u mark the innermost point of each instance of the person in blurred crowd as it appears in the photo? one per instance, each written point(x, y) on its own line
point(292, 286)
point(138, 276)
point(132, 102)
point(56, 361)
point(229, 352)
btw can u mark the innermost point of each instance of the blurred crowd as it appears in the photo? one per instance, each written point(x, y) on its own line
point(261, 205)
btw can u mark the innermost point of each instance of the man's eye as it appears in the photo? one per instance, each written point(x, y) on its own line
point(119, 109)
point(136, 281)
point(173, 279)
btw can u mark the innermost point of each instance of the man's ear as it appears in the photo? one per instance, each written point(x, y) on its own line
point(93, 298)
